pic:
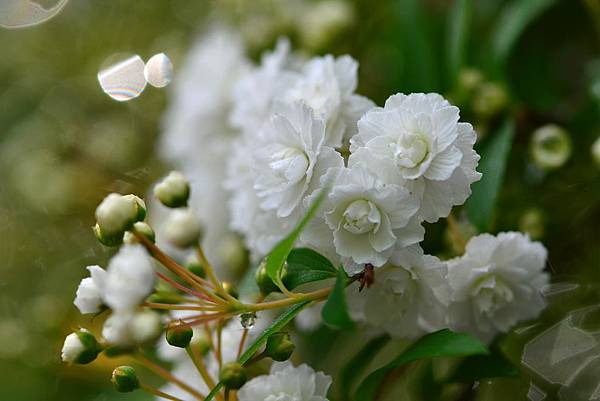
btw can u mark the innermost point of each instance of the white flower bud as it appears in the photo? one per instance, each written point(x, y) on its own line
point(173, 190)
point(142, 228)
point(116, 214)
point(145, 327)
point(182, 228)
point(80, 347)
point(89, 293)
point(140, 206)
point(550, 146)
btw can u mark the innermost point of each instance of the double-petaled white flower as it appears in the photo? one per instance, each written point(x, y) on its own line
point(327, 85)
point(497, 283)
point(287, 383)
point(364, 219)
point(408, 298)
point(417, 141)
point(291, 157)
point(88, 298)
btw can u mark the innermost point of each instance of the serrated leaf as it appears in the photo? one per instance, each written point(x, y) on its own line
point(458, 32)
point(305, 265)
point(494, 157)
point(357, 365)
point(443, 343)
point(335, 311)
point(277, 257)
point(276, 326)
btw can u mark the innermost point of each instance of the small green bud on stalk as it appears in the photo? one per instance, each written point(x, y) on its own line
point(182, 228)
point(279, 347)
point(550, 146)
point(263, 281)
point(233, 375)
point(230, 289)
point(179, 335)
point(116, 214)
point(124, 379)
point(173, 191)
point(142, 229)
point(489, 100)
point(107, 240)
point(195, 267)
point(165, 297)
point(80, 347)
point(201, 342)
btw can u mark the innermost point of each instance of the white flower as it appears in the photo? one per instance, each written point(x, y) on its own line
point(125, 327)
point(255, 93)
point(362, 218)
point(417, 141)
point(407, 299)
point(327, 85)
point(291, 158)
point(89, 293)
point(182, 228)
point(497, 283)
point(287, 383)
point(130, 278)
point(115, 213)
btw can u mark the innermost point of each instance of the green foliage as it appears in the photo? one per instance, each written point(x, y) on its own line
point(335, 311)
point(443, 343)
point(304, 266)
point(494, 157)
point(479, 367)
point(458, 35)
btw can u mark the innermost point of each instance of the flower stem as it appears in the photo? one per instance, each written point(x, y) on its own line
point(168, 376)
point(158, 393)
point(309, 296)
point(201, 367)
point(210, 272)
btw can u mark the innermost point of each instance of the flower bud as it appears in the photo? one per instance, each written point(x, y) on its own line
point(140, 206)
point(107, 240)
point(141, 228)
point(201, 342)
point(230, 289)
point(233, 375)
point(116, 213)
point(183, 228)
point(173, 190)
point(125, 379)
point(489, 100)
point(532, 223)
point(550, 146)
point(279, 347)
point(165, 297)
point(263, 281)
point(145, 327)
point(195, 267)
point(232, 253)
point(80, 347)
point(179, 335)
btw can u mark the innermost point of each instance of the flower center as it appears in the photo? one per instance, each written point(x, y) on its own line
point(410, 150)
point(361, 216)
point(491, 294)
point(289, 164)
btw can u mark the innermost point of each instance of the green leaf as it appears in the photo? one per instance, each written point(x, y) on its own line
point(276, 326)
point(357, 365)
point(458, 32)
point(304, 266)
point(511, 23)
point(443, 343)
point(479, 367)
point(335, 311)
point(277, 257)
point(494, 156)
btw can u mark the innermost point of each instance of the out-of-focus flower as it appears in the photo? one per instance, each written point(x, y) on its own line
point(322, 22)
point(286, 382)
point(183, 228)
point(173, 190)
point(416, 141)
point(550, 146)
point(596, 151)
point(496, 283)
point(89, 293)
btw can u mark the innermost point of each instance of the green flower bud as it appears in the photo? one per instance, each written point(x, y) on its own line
point(165, 297)
point(279, 347)
point(140, 206)
point(233, 375)
point(116, 214)
point(201, 342)
point(125, 379)
point(195, 267)
point(532, 223)
point(141, 228)
point(230, 289)
point(489, 100)
point(469, 79)
point(263, 281)
point(173, 190)
point(550, 146)
point(182, 228)
point(180, 335)
point(80, 347)
point(232, 253)
point(107, 240)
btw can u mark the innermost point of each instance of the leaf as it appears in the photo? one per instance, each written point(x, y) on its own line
point(335, 311)
point(357, 365)
point(512, 22)
point(276, 326)
point(458, 31)
point(494, 156)
point(277, 257)
point(304, 266)
point(479, 367)
point(443, 343)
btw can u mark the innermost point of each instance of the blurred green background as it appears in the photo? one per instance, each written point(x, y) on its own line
point(64, 144)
